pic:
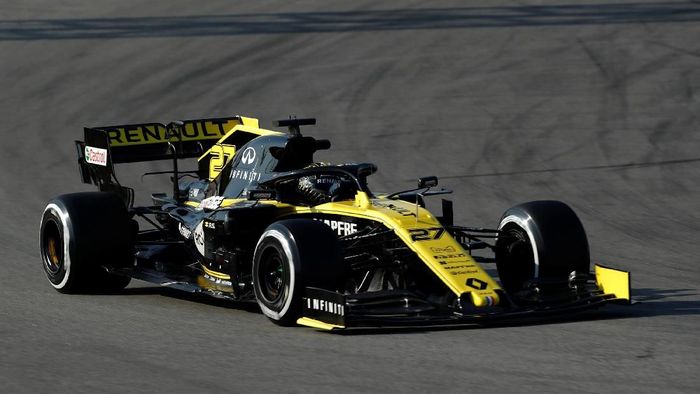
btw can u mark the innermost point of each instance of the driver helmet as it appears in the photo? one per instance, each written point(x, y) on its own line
point(322, 188)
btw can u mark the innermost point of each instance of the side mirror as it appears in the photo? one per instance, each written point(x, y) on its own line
point(366, 169)
point(323, 144)
point(427, 181)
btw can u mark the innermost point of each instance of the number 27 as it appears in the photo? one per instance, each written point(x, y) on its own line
point(426, 234)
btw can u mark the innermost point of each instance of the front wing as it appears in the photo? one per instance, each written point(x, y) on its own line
point(327, 310)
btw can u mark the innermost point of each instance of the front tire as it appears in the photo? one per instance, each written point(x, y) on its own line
point(80, 233)
point(540, 241)
point(291, 255)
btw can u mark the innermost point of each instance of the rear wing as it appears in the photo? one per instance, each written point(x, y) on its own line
point(105, 146)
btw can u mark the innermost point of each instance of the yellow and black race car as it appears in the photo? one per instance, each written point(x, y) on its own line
point(260, 220)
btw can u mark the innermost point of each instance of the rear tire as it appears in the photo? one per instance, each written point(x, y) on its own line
point(540, 241)
point(80, 233)
point(291, 255)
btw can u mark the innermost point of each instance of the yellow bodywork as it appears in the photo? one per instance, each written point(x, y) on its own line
point(222, 153)
point(421, 232)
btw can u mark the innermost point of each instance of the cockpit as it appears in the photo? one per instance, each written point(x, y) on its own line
point(286, 165)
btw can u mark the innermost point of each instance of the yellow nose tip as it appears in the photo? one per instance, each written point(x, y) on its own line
point(481, 301)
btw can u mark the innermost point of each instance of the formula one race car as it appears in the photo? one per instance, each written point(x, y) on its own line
point(260, 220)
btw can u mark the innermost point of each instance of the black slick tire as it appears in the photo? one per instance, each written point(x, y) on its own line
point(80, 233)
point(291, 255)
point(540, 241)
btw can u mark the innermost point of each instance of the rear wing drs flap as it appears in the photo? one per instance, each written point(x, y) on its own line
point(108, 145)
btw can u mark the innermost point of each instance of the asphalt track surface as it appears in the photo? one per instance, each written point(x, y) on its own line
point(592, 103)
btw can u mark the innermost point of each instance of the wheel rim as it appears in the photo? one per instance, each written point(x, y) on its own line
point(517, 264)
point(272, 274)
point(53, 248)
